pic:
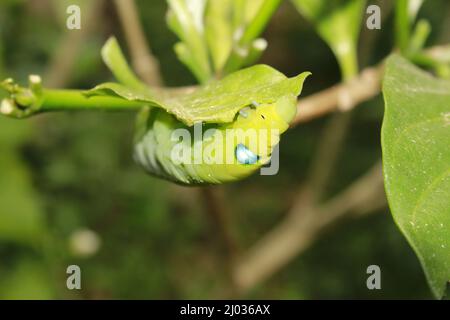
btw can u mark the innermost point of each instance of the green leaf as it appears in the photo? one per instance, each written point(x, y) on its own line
point(113, 57)
point(250, 19)
point(257, 15)
point(186, 19)
point(223, 31)
point(338, 23)
point(416, 161)
point(219, 31)
point(405, 15)
point(218, 101)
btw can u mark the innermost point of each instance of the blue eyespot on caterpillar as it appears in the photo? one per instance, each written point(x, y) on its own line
point(245, 156)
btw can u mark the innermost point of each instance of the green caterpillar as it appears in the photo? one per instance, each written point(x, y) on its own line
point(154, 149)
point(242, 117)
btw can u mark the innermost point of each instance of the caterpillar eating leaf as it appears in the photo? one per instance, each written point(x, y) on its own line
point(220, 132)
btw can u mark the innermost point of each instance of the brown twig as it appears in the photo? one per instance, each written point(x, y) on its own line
point(344, 96)
point(297, 230)
point(145, 64)
point(213, 198)
point(327, 154)
point(303, 224)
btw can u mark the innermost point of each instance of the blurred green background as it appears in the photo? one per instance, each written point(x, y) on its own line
point(62, 174)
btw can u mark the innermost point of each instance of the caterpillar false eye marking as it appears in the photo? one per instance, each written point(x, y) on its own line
point(245, 156)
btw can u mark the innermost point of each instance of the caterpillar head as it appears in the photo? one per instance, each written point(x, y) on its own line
point(250, 139)
point(268, 122)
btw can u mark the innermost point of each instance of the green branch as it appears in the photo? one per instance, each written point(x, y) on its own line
point(24, 102)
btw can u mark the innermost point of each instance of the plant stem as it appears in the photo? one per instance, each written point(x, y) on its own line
point(302, 226)
point(420, 36)
point(61, 100)
point(54, 100)
point(348, 63)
